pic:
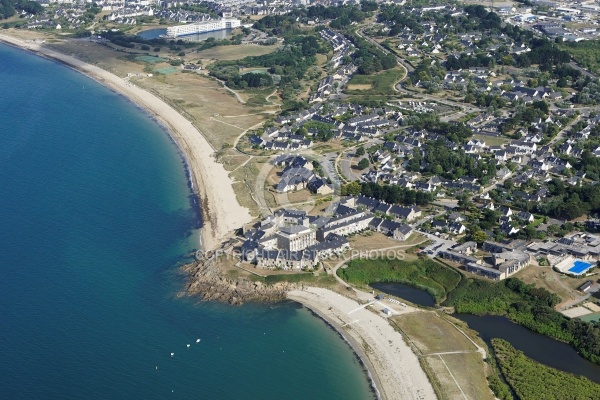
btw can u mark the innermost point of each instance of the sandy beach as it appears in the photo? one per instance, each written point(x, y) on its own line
point(394, 366)
point(221, 212)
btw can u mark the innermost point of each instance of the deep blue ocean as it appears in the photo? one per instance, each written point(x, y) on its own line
point(95, 217)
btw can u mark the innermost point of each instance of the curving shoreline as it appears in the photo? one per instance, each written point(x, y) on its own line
point(356, 349)
point(222, 214)
point(210, 182)
point(393, 367)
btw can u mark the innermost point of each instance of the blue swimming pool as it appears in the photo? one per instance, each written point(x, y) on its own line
point(580, 267)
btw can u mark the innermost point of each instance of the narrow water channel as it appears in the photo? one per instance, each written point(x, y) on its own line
point(538, 347)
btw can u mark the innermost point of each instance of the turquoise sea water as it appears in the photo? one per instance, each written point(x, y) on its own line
point(94, 216)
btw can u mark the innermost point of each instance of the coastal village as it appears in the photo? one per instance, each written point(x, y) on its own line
point(465, 139)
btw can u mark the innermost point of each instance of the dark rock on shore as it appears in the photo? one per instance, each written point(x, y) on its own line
point(207, 281)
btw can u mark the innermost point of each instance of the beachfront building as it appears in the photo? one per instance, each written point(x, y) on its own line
point(584, 246)
point(344, 225)
point(504, 261)
point(203, 27)
point(295, 237)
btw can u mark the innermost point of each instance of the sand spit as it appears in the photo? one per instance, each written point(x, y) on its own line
point(221, 211)
point(396, 369)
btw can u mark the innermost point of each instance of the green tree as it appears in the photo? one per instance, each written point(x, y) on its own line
point(360, 151)
point(351, 189)
point(479, 236)
point(363, 164)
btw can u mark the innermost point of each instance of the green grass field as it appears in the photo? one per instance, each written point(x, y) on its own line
point(595, 317)
point(381, 84)
point(150, 59)
point(166, 70)
point(436, 279)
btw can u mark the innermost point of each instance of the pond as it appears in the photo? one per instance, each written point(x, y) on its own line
point(538, 347)
point(541, 348)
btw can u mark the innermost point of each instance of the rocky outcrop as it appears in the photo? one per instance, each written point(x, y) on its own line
point(206, 280)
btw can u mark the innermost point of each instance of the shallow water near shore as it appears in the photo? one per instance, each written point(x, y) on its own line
point(95, 214)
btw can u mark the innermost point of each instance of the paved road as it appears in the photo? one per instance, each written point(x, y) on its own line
point(582, 70)
point(437, 245)
point(466, 108)
point(345, 165)
point(564, 130)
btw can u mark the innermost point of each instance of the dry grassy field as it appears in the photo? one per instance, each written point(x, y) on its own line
point(214, 110)
point(455, 367)
point(235, 52)
point(377, 240)
point(359, 86)
point(244, 178)
point(545, 278)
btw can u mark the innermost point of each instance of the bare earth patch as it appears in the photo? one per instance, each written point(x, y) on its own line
point(360, 87)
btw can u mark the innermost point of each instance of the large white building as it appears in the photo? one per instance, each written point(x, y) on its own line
point(203, 27)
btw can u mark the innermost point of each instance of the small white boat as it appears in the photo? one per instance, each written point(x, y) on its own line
point(188, 345)
point(172, 354)
point(197, 340)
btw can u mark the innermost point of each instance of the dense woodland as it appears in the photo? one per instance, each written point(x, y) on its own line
point(532, 380)
point(8, 8)
point(290, 62)
point(441, 160)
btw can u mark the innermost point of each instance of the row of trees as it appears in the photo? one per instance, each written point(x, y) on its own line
point(368, 58)
point(391, 194)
